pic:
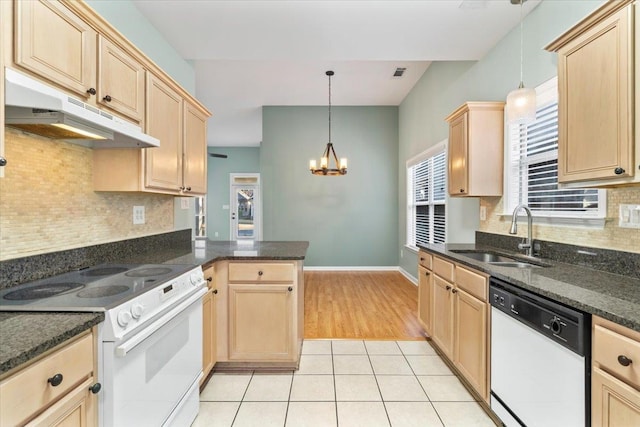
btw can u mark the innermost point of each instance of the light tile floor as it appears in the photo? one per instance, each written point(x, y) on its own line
point(345, 383)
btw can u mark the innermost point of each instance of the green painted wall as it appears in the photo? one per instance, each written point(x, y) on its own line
point(446, 85)
point(126, 18)
point(239, 160)
point(349, 220)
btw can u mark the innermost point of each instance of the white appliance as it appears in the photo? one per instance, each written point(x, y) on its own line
point(35, 107)
point(540, 360)
point(150, 344)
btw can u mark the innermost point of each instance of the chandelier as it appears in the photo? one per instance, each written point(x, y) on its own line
point(329, 164)
point(521, 102)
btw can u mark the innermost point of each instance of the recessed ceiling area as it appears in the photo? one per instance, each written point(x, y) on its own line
point(247, 54)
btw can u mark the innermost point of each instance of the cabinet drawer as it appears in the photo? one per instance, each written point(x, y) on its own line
point(443, 268)
point(425, 260)
point(28, 391)
point(261, 272)
point(472, 282)
point(610, 347)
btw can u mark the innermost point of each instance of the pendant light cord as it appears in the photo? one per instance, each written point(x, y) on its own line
point(329, 108)
point(521, 46)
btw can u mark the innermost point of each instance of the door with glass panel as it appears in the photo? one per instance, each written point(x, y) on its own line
point(245, 207)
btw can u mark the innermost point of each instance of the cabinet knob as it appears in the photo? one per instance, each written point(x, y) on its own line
point(95, 389)
point(188, 188)
point(448, 287)
point(55, 380)
point(453, 291)
point(619, 171)
point(260, 273)
point(462, 190)
point(91, 91)
point(107, 98)
point(209, 279)
point(290, 289)
point(215, 291)
point(426, 273)
point(3, 161)
point(624, 360)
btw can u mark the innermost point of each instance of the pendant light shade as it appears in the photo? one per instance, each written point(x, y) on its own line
point(329, 164)
point(521, 102)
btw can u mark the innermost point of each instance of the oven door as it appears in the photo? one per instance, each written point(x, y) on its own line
point(148, 374)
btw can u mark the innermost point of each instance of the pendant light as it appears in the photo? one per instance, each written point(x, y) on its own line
point(329, 155)
point(521, 103)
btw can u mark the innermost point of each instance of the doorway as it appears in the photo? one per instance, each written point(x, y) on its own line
point(246, 207)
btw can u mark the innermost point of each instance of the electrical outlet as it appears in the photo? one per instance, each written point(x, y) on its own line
point(184, 202)
point(138, 215)
point(629, 216)
point(483, 213)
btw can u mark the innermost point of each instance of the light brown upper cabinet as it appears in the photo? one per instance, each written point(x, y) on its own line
point(59, 46)
point(121, 81)
point(178, 166)
point(476, 132)
point(56, 44)
point(597, 145)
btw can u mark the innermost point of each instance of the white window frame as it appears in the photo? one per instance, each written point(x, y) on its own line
point(547, 93)
point(410, 218)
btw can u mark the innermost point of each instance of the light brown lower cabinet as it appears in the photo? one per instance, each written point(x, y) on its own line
point(261, 322)
point(425, 285)
point(615, 379)
point(28, 397)
point(443, 315)
point(457, 318)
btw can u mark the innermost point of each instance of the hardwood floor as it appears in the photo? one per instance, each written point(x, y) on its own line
point(360, 304)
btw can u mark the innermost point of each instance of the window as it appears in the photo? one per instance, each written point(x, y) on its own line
point(532, 170)
point(426, 193)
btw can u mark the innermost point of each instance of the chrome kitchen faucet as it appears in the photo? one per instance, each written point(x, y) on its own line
point(528, 244)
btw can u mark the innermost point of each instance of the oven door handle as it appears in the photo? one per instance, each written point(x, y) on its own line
point(130, 344)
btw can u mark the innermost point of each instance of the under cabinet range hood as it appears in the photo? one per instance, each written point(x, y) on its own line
point(37, 108)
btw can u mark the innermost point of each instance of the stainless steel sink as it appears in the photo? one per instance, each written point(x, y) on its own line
point(498, 260)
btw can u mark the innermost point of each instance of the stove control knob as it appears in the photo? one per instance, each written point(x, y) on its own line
point(137, 310)
point(124, 317)
point(195, 279)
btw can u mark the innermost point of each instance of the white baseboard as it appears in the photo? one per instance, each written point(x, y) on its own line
point(408, 275)
point(353, 268)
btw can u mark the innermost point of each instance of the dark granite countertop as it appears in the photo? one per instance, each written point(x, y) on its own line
point(46, 330)
point(611, 296)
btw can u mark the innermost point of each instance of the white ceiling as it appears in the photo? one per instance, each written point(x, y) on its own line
point(247, 54)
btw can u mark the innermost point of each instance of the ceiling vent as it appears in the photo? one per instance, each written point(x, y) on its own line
point(399, 72)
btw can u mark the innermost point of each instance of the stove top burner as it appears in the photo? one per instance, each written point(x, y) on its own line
point(46, 290)
point(102, 291)
point(146, 272)
point(104, 271)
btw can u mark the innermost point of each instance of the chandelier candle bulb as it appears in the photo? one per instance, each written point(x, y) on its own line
point(343, 163)
point(324, 162)
point(312, 164)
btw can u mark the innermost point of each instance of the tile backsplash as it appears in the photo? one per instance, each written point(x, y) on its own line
point(610, 237)
point(47, 202)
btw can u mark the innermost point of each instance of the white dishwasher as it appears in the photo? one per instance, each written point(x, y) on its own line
point(540, 360)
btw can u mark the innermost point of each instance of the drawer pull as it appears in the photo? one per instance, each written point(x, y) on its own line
point(624, 360)
point(290, 289)
point(55, 380)
point(260, 273)
point(95, 389)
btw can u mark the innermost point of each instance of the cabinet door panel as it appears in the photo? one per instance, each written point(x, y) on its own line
point(57, 45)
point(458, 181)
point(207, 326)
point(613, 403)
point(76, 409)
point(195, 151)
point(443, 315)
point(470, 345)
point(424, 298)
point(121, 79)
point(164, 121)
point(595, 115)
point(261, 322)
